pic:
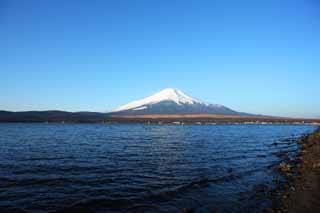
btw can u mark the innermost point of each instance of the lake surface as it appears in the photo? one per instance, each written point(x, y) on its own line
point(142, 168)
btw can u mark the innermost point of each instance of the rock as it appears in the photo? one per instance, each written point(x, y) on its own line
point(185, 210)
point(296, 161)
point(285, 167)
point(316, 165)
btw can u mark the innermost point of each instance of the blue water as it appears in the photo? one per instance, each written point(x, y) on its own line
point(142, 168)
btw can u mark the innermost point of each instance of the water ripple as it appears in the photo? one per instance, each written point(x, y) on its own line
point(143, 168)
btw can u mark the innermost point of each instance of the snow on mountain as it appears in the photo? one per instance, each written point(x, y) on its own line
point(169, 94)
point(172, 101)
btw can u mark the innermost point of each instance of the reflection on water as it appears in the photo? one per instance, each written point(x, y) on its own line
point(141, 167)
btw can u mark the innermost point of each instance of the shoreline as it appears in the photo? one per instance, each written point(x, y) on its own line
point(174, 123)
point(105, 118)
point(302, 193)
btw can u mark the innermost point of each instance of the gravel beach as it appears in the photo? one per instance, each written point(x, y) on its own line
point(303, 193)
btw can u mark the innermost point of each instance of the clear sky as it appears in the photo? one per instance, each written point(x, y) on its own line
point(252, 56)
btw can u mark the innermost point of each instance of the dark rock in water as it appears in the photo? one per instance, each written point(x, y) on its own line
point(296, 161)
point(230, 170)
point(281, 154)
point(187, 210)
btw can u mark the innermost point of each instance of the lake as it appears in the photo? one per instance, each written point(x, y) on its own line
point(141, 168)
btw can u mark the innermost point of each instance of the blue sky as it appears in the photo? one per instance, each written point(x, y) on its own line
point(253, 56)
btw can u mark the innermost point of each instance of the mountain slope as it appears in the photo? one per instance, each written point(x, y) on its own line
point(172, 101)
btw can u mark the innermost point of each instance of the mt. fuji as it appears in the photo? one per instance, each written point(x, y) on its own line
point(172, 101)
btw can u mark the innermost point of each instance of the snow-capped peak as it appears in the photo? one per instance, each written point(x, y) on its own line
point(168, 94)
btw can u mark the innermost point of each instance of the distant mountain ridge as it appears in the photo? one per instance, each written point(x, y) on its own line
point(51, 116)
point(169, 104)
point(173, 101)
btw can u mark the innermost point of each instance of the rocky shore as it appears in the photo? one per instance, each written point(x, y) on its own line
point(302, 194)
